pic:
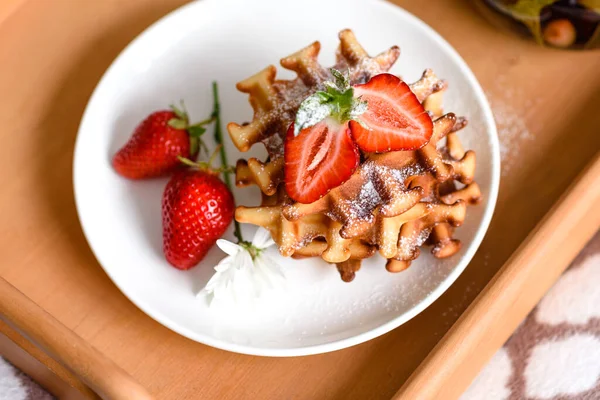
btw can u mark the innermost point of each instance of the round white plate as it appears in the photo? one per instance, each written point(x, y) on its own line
point(227, 41)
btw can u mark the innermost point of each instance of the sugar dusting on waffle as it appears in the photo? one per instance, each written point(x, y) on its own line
point(394, 202)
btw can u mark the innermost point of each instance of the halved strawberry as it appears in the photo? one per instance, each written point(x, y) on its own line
point(395, 118)
point(320, 158)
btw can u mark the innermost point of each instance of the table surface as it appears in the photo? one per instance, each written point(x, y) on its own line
point(52, 55)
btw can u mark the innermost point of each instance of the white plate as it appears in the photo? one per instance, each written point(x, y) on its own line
point(229, 40)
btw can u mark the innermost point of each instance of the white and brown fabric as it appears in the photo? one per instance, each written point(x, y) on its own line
point(555, 353)
point(15, 385)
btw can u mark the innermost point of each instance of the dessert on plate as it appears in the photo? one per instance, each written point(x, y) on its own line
point(359, 162)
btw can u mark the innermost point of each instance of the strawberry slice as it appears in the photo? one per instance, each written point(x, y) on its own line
point(320, 158)
point(395, 118)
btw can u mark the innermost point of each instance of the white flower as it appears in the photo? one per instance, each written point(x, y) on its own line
point(246, 274)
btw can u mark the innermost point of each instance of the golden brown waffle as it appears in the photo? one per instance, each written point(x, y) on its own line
point(393, 203)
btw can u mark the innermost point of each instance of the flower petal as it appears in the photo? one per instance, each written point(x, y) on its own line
point(239, 279)
point(262, 239)
point(274, 268)
point(270, 272)
point(225, 264)
point(229, 247)
point(225, 272)
point(245, 261)
point(262, 276)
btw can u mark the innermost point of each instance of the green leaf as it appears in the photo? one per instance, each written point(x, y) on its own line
point(345, 100)
point(194, 144)
point(312, 111)
point(336, 101)
point(341, 81)
point(196, 131)
point(177, 123)
point(325, 97)
point(180, 112)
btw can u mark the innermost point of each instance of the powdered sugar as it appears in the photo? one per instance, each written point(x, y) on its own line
point(362, 206)
point(277, 102)
point(369, 196)
point(401, 175)
point(513, 131)
point(408, 244)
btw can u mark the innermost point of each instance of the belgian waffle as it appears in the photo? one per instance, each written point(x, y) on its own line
point(394, 203)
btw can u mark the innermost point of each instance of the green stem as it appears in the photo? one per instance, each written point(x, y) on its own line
point(187, 162)
point(216, 114)
point(212, 157)
point(205, 122)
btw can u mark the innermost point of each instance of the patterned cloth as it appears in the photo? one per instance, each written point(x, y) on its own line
point(555, 353)
point(15, 385)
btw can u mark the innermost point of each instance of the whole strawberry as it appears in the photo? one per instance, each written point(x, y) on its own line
point(197, 208)
point(156, 143)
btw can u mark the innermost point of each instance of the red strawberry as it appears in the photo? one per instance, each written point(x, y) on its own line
point(395, 118)
point(155, 144)
point(320, 158)
point(197, 208)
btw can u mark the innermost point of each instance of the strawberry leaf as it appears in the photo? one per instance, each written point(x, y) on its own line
point(344, 103)
point(177, 123)
point(325, 97)
point(312, 110)
point(196, 131)
point(180, 112)
point(341, 81)
point(194, 145)
point(336, 101)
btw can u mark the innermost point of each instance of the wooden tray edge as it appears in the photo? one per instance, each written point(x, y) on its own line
point(60, 349)
point(511, 295)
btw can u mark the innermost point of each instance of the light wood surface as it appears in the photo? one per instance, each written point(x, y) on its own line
point(54, 52)
point(74, 360)
point(511, 295)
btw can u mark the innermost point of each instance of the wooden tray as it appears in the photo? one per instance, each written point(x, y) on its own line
point(53, 53)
